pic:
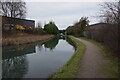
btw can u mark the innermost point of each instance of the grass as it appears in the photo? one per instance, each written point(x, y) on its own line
point(111, 68)
point(70, 69)
point(24, 39)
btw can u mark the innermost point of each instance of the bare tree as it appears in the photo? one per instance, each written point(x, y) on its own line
point(111, 15)
point(13, 9)
point(110, 12)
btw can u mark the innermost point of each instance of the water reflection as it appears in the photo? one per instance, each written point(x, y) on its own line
point(68, 40)
point(51, 44)
point(15, 67)
point(33, 61)
point(17, 51)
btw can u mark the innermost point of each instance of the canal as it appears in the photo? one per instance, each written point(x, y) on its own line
point(36, 60)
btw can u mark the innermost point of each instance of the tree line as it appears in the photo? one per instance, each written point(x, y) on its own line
point(79, 27)
point(107, 31)
point(17, 9)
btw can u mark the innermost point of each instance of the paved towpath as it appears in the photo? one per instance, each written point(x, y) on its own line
point(92, 62)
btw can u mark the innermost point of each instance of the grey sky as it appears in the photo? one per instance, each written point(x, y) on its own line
point(62, 13)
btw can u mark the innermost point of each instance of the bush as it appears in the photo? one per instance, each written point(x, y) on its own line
point(51, 28)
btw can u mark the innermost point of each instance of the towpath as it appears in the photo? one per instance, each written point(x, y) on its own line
point(92, 63)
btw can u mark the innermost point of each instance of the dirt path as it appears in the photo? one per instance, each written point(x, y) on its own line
point(91, 64)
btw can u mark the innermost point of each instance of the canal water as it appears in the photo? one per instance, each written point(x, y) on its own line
point(36, 60)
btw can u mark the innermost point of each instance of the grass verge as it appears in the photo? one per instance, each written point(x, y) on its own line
point(111, 68)
point(69, 70)
point(25, 39)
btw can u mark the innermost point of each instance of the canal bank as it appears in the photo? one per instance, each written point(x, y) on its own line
point(25, 39)
point(70, 69)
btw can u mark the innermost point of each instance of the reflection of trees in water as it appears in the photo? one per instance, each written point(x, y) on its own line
point(15, 67)
point(71, 42)
point(14, 51)
point(39, 47)
point(51, 43)
point(14, 61)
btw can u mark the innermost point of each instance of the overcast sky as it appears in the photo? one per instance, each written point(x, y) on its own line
point(63, 14)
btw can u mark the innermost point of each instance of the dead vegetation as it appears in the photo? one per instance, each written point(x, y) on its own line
point(23, 38)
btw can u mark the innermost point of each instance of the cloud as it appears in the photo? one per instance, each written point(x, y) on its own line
point(63, 13)
point(69, 0)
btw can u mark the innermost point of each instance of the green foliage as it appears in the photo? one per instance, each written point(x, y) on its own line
point(62, 31)
point(70, 30)
point(79, 27)
point(51, 28)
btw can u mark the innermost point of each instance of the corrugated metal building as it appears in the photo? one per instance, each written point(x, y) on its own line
point(16, 21)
